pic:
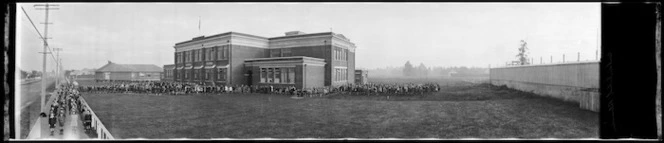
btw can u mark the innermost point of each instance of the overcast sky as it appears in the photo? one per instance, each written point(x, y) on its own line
point(386, 34)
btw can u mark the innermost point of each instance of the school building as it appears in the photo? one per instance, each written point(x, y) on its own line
point(295, 59)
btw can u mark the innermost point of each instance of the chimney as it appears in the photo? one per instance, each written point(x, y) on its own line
point(294, 33)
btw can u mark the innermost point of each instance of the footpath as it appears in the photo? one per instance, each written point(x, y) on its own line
point(73, 127)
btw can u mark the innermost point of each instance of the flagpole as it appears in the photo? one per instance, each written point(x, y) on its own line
point(199, 26)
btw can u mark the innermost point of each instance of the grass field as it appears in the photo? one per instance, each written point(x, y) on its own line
point(460, 111)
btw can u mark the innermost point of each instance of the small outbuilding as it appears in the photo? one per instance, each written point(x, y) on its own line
point(361, 76)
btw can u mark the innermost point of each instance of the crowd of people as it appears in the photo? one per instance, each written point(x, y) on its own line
point(66, 103)
point(398, 89)
point(186, 88)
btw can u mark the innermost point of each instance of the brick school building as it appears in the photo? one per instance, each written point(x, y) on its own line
point(295, 59)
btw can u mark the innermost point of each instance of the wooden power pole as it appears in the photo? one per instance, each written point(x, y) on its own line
point(46, 7)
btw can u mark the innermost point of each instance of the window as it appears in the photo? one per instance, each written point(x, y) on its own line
point(206, 54)
point(176, 58)
point(193, 56)
point(264, 75)
point(284, 75)
point(186, 74)
point(291, 75)
point(197, 55)
point(181, 57)
point(211, 54)
point(186, 57)
point(220, 53)
point(275, 53)
point(277, 75)
point(195, 74)
point(286, 52)
point(200, 55)
point(336, 74)
point(345, 74)
point(221, 75)
point(343, 55)
point(189, 56)
point(226, 51)
point(340, 74)
point(270, 75)
point(207, 74)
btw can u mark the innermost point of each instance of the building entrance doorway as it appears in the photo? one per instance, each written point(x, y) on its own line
point(249, 77)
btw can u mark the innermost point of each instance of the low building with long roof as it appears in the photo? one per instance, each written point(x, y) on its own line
point(128, 72)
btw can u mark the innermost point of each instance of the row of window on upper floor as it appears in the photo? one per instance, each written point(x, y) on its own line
point(205, 54)
point(338, 54)
point(222, 53)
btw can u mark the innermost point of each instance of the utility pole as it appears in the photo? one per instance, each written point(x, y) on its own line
point(57, 66)
point(46, 8)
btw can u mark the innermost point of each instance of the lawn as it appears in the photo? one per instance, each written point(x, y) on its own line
point(461, 111)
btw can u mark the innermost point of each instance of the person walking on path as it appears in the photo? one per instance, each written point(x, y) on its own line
point(61, 120)
point(51, 122)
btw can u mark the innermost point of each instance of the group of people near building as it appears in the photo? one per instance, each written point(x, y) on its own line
point(67, 102)
point(398, 89)
point(186, 88)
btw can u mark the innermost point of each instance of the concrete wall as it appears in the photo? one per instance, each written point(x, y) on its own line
point(573, 82)
point(314, 76)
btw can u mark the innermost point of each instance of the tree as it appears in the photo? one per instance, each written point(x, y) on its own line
point(408, 69)
point(24, 74)
point(422, 70)
point(35, 73)
point(523, 56)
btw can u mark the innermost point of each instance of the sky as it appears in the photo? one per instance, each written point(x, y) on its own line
point(386, 34)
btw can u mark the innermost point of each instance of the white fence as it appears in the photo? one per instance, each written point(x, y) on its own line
point(102, 132)
point(576, 81)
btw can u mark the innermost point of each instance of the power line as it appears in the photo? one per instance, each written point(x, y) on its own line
point(39, 33)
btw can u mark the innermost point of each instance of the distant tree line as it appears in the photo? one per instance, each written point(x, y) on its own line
point(408, 70)
point(30, 74)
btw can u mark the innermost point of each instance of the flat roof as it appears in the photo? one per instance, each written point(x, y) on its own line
point(218, 35)
point(301, 35)
point(200, 38)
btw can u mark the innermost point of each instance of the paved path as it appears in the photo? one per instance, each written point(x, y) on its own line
point(73, 127)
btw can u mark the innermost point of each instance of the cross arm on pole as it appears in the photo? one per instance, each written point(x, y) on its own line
point(47, 8)
point(36, 5)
